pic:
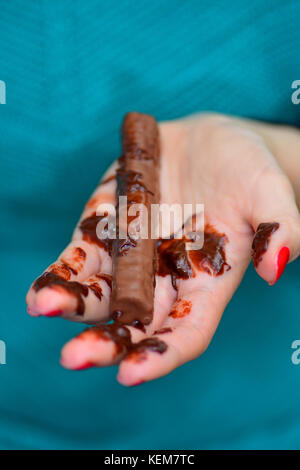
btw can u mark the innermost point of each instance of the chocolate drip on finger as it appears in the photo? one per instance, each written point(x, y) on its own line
point(124, 347)
point(261, 240)
point(74, 288)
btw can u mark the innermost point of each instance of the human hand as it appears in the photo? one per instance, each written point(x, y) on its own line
point(227, 165)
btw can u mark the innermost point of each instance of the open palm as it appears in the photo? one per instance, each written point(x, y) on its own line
point(209, 159)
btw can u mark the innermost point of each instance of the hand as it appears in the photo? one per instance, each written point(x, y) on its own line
point(227, 165)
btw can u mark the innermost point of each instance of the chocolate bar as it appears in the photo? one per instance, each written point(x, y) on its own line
point(133, 256)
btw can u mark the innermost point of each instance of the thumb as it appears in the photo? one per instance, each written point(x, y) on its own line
point(276, 223)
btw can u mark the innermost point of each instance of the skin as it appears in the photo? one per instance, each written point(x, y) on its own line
point(245, 173)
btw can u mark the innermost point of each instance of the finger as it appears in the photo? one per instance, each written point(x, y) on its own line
point(100, 205)
point(63, 292)
point(98, 298)
point(188, 328)
point(106, 345)
point(59, 291)
point(64, 295)
point(276, 222)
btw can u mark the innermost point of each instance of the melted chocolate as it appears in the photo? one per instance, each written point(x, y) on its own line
point(138, 351)
point(176, 261)
point(79, 254)
point(211, 258)
point(163, 331)
point(121, 337)
point(261, 240)
point(117, 315)
point(105, 277)
point(78, 257)
point(93, 202)
point(173, 260)
point(72, 269)
point(88, 227)
point(61, 270)
point(119, 334)
point(181, 308)
point(138, 325)
point(152, 344)
point(108, 179)
point(96, 288)
point(77, 290)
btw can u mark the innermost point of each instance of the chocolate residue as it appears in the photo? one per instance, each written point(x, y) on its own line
point(79, 254)
point(71, 268)
point(96, 288)
point(163, 331)
point(117, 316)
point(93, 202)
point(77, 290)
point(121, 337)
point(138, 351)
point(88, 227)
point(175, 260)
point(98, 199)
point(261, 240)
point(138, 325)
point(181, 308)
point(78, 258)
point(152, 344)
point(108, 179)
point(61, 270)
point(211, 258)
point(105, 277)
point(119, 334)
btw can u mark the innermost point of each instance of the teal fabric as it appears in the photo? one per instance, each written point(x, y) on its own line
point(72, 69)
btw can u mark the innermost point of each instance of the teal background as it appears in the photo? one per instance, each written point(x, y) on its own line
point(72, 69)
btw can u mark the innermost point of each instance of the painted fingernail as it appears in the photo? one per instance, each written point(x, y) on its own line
point(53, 313)
point(283, 257)
point(30, 312)
point(138, 383)
point(85, 365)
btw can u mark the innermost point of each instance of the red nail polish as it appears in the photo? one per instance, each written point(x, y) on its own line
point(29, 312)
point(283, 257)
point(138, 383)
point(53, 313)
point(85, 365)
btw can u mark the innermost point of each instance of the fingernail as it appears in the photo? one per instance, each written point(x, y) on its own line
point(283, 257)
point(53, 313)
point(85, 365)
point(138, 383)
point(30, 312)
